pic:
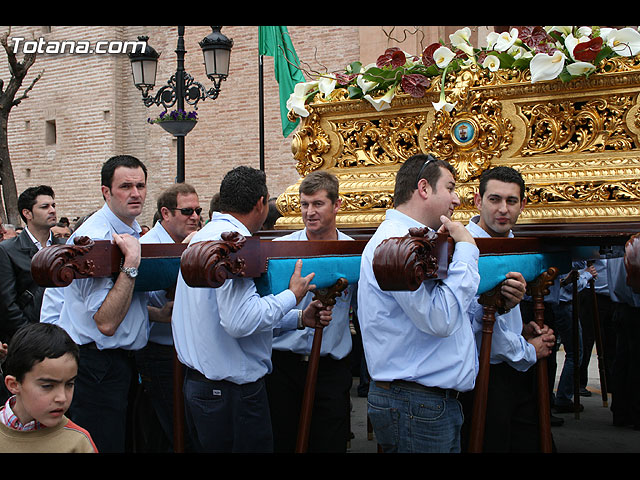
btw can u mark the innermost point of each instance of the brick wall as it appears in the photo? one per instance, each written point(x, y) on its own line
point(99, 113)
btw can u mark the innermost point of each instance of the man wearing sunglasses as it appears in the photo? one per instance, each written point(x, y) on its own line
point(419, 346)
point(178, 210)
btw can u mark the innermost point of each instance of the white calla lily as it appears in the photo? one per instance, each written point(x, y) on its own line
point(505, 40)
point(443, 104)
point(625, 42)
point(546, 67)
point(580, 68)
point(491, 62)
point(365, 85)
point(443, 56)
point(298, 98)
point(384, 102)
point(460, 36)
point(327, 84)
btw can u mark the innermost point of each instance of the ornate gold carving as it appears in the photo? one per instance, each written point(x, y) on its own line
point(575, 143)
point(471, 137)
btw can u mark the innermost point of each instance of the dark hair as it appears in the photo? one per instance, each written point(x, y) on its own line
point(106, 175)
point(503, 174)
point(273, 215)
point(241, 188)
point(27, 199)
point(35, 342)
point(413, 169)
point(321, 180)
point(169, 198)
point(214, 204)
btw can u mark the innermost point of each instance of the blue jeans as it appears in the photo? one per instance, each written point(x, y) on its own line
point(410, 420)
point(563, 328)
point(225, 417)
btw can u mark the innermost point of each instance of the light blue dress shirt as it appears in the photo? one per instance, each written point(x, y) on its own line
point(507, 343)
point(159, 332)
point(618, 289)
point(83, 297)
point(226, 333)
point(564, 293)
point(336, 337)
point(423, 336)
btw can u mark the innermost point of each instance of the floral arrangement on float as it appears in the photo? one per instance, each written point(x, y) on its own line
point(547, 53)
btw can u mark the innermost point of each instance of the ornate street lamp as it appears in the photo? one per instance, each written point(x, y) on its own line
point(181, 87)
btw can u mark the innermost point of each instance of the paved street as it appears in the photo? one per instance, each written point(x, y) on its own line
point(591, 432)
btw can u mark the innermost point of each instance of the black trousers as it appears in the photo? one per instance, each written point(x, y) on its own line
point(329, 430)
point(512, 412)
point(625, 396)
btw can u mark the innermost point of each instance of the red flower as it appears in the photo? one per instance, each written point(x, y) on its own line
point(415, 84)
point(587, 51)
point(392, 56)
point(345, 78)
point(427, 54)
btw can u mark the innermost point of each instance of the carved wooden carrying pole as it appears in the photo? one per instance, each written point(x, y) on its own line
point(328, 297)
point(597, 333)
point(537, 290)
point(408, 261)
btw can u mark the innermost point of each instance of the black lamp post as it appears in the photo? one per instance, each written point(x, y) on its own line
point(181, 87)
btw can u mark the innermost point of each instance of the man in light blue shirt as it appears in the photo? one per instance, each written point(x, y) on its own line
point(625, 378)
point(329, 432)
point(224, 335)
point(419, 345)
point(178, 209)
point(511, 416)
point(105, 316)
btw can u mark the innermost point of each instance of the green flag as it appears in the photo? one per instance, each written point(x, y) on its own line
point(275, 42)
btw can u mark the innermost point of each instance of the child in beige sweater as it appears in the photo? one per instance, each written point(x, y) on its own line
point(40, 369)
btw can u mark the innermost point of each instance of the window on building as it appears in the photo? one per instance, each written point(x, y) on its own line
point(50, 132)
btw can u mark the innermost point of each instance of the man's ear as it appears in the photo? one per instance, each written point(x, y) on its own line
point(28, 214)
point(477, 200)
point(424, 189)
point(12, 384)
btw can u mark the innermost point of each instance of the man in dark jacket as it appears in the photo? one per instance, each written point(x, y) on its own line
point(21, 297)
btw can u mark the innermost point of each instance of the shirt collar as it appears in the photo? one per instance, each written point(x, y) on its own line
point(118, 225)
point(477, 231)
point(11, 420)
point(35, 241)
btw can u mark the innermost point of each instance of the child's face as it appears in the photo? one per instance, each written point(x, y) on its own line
point(46, 390)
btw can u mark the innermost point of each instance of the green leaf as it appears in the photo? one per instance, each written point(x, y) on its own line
point(355, 91)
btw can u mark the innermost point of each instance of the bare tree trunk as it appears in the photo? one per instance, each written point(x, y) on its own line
point(8, 100)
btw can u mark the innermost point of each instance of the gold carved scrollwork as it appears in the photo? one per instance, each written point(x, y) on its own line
point(309, 143)
point(384, 141)
point(578, 126)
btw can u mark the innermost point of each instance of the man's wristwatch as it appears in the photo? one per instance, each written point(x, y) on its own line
point(131, 272)
point(301, 326)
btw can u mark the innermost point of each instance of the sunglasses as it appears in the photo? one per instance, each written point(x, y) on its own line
point(189, 211)
point(424, 165)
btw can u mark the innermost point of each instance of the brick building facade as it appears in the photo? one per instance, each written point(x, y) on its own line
point(85, 108)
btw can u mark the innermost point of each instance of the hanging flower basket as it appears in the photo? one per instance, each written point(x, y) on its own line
point(178, 122)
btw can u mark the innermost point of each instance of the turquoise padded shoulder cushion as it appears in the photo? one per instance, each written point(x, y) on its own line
point(328, 270)
point(157, 274)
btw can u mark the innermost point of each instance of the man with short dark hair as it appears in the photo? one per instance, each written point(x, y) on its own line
point(329, 432)
point(178, 209)
point(419, 345)
point(21, 297)
point(105, 316)
point(224, 335)
point(511, 415)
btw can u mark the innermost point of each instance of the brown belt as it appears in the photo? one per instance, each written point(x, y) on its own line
point(445, 392)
